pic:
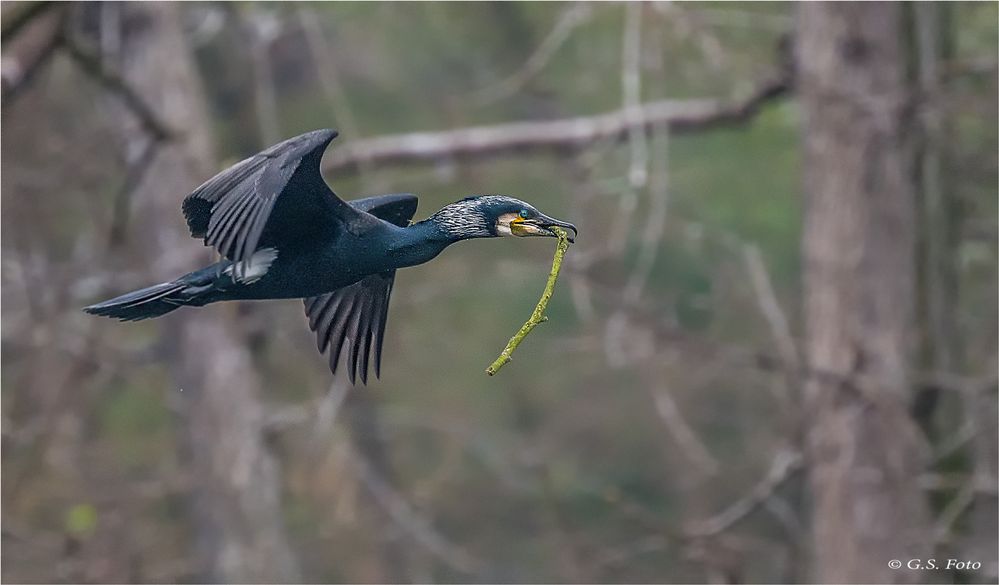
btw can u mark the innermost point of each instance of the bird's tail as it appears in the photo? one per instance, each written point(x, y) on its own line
point(146, 303)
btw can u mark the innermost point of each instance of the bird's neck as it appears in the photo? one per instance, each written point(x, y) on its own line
point(420, 242)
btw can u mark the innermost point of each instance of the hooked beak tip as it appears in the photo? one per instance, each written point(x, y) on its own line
point(565, 226)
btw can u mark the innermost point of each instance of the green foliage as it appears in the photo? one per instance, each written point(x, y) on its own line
point(81, 520)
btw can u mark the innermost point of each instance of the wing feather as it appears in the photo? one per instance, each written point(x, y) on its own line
point(339, 311)
point(367, 330)
point(269, 198)
point(321, 316)
point(379, 328)
point(354, 333)
point(338, 332)
point(355, 316)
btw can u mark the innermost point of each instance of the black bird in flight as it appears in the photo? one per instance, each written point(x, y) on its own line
point(284, 234)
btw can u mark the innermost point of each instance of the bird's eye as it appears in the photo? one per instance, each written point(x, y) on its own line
point(523, 214)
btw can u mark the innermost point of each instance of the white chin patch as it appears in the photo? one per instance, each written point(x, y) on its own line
point(503, 224)
point(255, 267)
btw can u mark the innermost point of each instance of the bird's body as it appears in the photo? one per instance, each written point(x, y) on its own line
point(305, 271)
point(285, 235)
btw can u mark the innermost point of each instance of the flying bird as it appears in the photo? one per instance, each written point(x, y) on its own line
point(284, 234)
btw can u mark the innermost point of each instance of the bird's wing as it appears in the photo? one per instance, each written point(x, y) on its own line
point(397, 209)
point(356, 315)
point(273, 197)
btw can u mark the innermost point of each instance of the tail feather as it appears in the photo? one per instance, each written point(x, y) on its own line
point(146, 303)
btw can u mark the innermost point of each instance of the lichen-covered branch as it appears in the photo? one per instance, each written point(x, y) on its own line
point(538, 316)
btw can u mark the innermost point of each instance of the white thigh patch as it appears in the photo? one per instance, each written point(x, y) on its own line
point(255, 267)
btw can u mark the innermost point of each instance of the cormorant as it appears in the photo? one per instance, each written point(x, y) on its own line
point(284, 234)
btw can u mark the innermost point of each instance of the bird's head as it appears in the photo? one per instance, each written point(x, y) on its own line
point(487, 216)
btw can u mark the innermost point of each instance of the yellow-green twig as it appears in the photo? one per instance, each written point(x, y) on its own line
point(538, 316)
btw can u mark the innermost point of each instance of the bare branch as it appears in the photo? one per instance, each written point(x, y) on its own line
point(113, 82)
point(507, 466)
point(23, 60)
point(17, 15)
point(412, 523)
point(626, 553)
point(324, 60)
point(770, 307)
point(321, 412)
point(330, 407)
point(953, 443)
point(970, 66)
point(262, 31)
point(136, 170)
point(936, 482)
point(687, 25)
point(785, 463)
point(631, 95)
point(566, 135)
point(780, 329)
point(329, 79)
point(655, 225)
point(631, 100)
point(953, 511)
point(690, 445)
point(568, 21)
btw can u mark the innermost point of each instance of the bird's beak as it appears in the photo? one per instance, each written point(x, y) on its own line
point(541, 226)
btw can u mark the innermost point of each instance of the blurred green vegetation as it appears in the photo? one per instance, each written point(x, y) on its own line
point(527, 470)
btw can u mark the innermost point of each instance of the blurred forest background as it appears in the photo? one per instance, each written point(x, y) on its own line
point(771, 355)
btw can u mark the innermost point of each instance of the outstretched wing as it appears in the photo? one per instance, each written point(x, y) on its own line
point(355, 316)
point(271, 198)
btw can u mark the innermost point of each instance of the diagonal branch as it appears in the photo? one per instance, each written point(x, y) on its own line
point(785, 463)
point(409, 520)
point(692, 447)
point(568, 22)
point(135, 172)
point(112, 81)
point(565, 135)
point(23, 60)
point(17, 15)
point(960, 504)
point(780, 328)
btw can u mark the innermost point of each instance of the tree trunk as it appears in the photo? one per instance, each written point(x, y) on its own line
point(237, 506)
point(859, 279)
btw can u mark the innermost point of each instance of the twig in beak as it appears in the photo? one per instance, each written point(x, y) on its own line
point(538, 316)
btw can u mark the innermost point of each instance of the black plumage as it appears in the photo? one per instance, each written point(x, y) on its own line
point(284, 234)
